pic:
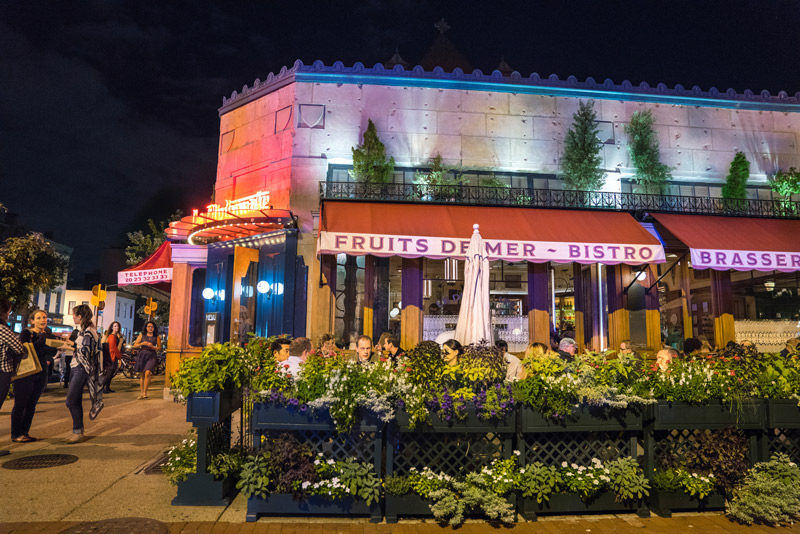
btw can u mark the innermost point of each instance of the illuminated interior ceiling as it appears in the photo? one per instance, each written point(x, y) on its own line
point(211, 227)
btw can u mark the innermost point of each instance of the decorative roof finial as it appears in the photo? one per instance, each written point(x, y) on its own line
point(442, 26)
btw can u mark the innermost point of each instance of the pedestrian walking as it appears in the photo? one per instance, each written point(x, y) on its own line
point(112, 341)
point(11, 351)
point(148, 343)
point(27, 390)
point(85, 371)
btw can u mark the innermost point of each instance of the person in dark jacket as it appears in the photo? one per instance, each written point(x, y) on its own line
point(567, 348)
point(392, 348)
point(10, 351)
point(27, 390)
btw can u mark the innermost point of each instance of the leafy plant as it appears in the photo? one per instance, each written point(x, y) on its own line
point(786, 183)
point(144, 242)
point(282, 466)
point(227, 464)
point(426, 481)
point(721, 453)
point(370, 165)
point(541, 481)
point(694, 484)
point(651, 174)
point(254, 477)
point(361, 480)
point(397, 485)
point(425, 364)
point(218, 368)
point(770, 493)
point(736, 182)
point(181, 459)
point(627, 479)
point(587, 482)
point(581, 161)
point(437, 182)
point(452, 504)
point(27, 264)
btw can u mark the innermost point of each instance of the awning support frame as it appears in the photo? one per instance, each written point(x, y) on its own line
point(647, 291)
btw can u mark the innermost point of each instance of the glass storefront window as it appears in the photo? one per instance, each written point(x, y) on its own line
point(196, 312)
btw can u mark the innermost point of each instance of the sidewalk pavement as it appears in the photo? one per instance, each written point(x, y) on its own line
point(106, 482)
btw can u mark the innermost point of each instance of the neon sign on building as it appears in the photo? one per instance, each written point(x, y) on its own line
point(258, 201)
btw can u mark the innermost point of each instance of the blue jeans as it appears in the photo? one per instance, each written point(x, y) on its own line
point(77, 382)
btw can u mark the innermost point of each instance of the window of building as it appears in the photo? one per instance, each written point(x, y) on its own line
point(58, 303)
point(47, 302)
point(70, 307)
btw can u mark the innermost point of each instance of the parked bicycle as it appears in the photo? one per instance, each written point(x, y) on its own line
point(128, 362)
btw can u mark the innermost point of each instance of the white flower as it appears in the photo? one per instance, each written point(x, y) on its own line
point(306, 485)
point(517, 453)
point(316, 462)
point(564, 464)
point(331, 462)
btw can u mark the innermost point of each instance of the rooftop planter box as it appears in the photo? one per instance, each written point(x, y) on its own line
point(413, 505)
point(783, 413)
point(664, 503)
point(472, 423)
point(571, 503)
point(284, 504)
point(715, 414)
point(584, 419)
point(209, 407)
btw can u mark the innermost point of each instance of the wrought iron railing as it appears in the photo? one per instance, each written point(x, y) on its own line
point(551, 198)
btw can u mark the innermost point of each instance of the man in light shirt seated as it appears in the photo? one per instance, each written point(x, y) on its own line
point(299, 350)
point(513, 366)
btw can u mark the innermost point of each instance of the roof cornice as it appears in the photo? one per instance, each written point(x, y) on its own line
point(515, 83)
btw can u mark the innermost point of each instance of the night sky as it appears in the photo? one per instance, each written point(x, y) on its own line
point(108, 110)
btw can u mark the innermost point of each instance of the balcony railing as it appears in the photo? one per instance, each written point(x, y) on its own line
point(550, 198)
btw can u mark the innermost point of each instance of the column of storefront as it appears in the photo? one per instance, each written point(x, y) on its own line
point(539, 303)
point(686, 297)
point(323, 297)
point(652, 311)
point(411, 295)
point(619, 329)
point(369, 296)
point(722, 308)
point(580, 305)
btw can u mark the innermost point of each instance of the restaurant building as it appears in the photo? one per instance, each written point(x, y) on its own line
point(292, 244)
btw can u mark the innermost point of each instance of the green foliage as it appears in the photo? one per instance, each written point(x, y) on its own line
point(581, 161)
point(144, 243)
point(438, 182)
point(160, 317)
point(254, 477)
point(397, 485)
point(181, 459)
point(493, 181)
point(786, 183)
point(481, 363)
point(587, 482)
point(227, 464)
point(425, 482)
point(218, 368)
point(770, 493)
point(283, 465)
point(426, 364)
point(370, 165)
point(360, 479)
point(694, 484)
point(540, 481)
point(627, 480)
point(721, 453)
point(651, 174)
point(736, 182)
point(451, 505)
point(27, 264)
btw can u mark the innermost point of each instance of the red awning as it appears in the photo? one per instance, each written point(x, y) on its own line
point(154, 269)
point(742, 244)
point(511, 234)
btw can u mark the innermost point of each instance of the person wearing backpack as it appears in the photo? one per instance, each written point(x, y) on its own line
point(85, 371)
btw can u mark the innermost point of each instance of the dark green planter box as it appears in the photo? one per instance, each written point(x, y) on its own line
point(783, 414)
point(284, 504)
point(414, 505)
point(571, 503)
point(267, 416)
point(664, 503)
point(584, 419)
point(746, 415)
point(471, 424)
point(209, 407)
point(202, 489)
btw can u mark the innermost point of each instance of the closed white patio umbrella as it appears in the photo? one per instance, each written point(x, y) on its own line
point(474, 318)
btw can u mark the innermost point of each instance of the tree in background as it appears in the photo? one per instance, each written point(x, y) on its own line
point(370, 165)
point(29, 264)
point(736, 182)
point(651, 174)
point(161, 315)
point(581, 162)
point(144, 243)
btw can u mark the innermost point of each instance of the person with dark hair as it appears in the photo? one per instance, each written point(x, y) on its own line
point(27, 390)
point(380, 346)
point(112, 342)
point(148, 343)
point(691, 346)
point(280, 349)
point(85, 371)
point(452, 351)
point(392, 348)
point(11, 350)
point(514, 369)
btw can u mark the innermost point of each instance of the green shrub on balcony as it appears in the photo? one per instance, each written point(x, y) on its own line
point(370, 165)
point(735, 187)
point(651, 174)
point(581, 162)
